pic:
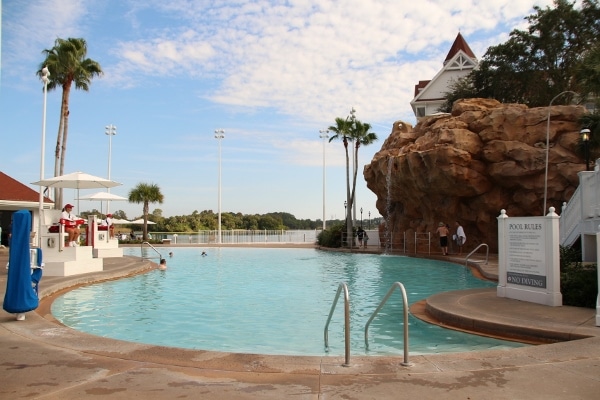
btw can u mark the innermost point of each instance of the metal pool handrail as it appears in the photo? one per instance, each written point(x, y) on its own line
point(405, 303)
point(153, 248)
point(341, 287)
point(487, 253)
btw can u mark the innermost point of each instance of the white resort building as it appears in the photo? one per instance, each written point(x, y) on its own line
point(429, 95)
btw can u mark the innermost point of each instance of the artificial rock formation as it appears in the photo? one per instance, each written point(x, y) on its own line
point(469, 165)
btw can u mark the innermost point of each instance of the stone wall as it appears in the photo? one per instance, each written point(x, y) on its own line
point(467, 166)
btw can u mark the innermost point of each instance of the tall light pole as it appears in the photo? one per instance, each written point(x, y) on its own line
point(45, 79)
point(324, 135)
point(353, 119)
point(219, 134)
point(111, 131)
point(548, 145)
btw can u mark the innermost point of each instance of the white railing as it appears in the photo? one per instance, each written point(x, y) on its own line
point(570, 218)
point(238, 236)
point(581, 215)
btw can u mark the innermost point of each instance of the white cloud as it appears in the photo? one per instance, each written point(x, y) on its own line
point(310, 55)
point(35, 26)
point(272, 73)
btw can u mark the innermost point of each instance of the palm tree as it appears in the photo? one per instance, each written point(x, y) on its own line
point(361, 136)
point(67, 64)
point(145, 193)
point(341, 131)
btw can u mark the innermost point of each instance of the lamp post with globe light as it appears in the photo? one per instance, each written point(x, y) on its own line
point(585, 138)
point(45, 80)
point(548, 145)
point(110, 131)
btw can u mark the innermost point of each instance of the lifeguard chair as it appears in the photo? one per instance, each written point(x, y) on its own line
point(98, 237)
point(59, 259)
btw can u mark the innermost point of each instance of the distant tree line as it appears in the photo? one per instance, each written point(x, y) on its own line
point(208, 220)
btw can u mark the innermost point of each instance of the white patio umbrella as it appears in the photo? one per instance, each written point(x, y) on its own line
point(77, 180)
point(118, 221)
point(140, 221)
point(102, 196)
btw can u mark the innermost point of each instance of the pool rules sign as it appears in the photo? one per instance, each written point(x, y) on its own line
point(529, 258)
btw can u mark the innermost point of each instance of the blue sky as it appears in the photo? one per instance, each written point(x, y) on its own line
point(270, 73)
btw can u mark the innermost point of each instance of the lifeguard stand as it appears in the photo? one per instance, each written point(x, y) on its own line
point(60, 260)
point(99, 238)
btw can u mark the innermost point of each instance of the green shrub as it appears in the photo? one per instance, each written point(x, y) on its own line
point(331, 237)
point(578, 282)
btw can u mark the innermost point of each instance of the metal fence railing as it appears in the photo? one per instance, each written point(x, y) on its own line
point(238, 236)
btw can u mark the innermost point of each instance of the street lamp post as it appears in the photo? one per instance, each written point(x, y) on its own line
point(369, 220)
point(361, 217)
point(45, 79)
point(548, 146)
point(585, 138)
point(110, 131)
point(324, 135)
point(346, 216)
point(219, 134)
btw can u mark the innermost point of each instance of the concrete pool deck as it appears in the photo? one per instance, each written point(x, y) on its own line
point(41, 359)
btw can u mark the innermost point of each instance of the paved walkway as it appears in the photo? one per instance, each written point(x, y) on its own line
point(41, 359)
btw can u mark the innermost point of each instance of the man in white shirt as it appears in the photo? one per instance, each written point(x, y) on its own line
point(461, 238)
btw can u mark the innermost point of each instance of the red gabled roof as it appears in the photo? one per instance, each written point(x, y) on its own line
point(13, 190)
point(459, 44)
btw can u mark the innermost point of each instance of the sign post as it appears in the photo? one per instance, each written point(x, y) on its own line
point(529, 258)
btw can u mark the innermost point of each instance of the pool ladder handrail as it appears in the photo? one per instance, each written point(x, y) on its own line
point(341, 287)
point(487, 253)
point(400, 286)
point(153, 248)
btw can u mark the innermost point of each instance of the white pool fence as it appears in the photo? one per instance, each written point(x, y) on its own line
point(239, 236)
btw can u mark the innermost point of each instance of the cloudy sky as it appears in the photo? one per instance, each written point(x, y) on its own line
point(271, 74)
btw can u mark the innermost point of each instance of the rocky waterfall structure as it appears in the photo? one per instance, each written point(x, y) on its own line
point(468, 165)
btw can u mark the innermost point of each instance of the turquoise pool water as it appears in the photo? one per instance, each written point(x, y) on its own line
point(271, 301)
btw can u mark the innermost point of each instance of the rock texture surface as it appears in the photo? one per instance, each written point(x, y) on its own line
point(467, 166)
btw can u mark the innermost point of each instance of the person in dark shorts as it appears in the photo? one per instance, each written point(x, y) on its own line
point(443, 231)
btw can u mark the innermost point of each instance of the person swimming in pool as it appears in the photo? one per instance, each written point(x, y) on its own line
point(163, 264)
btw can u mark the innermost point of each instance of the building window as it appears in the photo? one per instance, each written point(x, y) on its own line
point(420, 112)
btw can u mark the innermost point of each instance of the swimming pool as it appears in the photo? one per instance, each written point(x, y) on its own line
point(271, 301)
